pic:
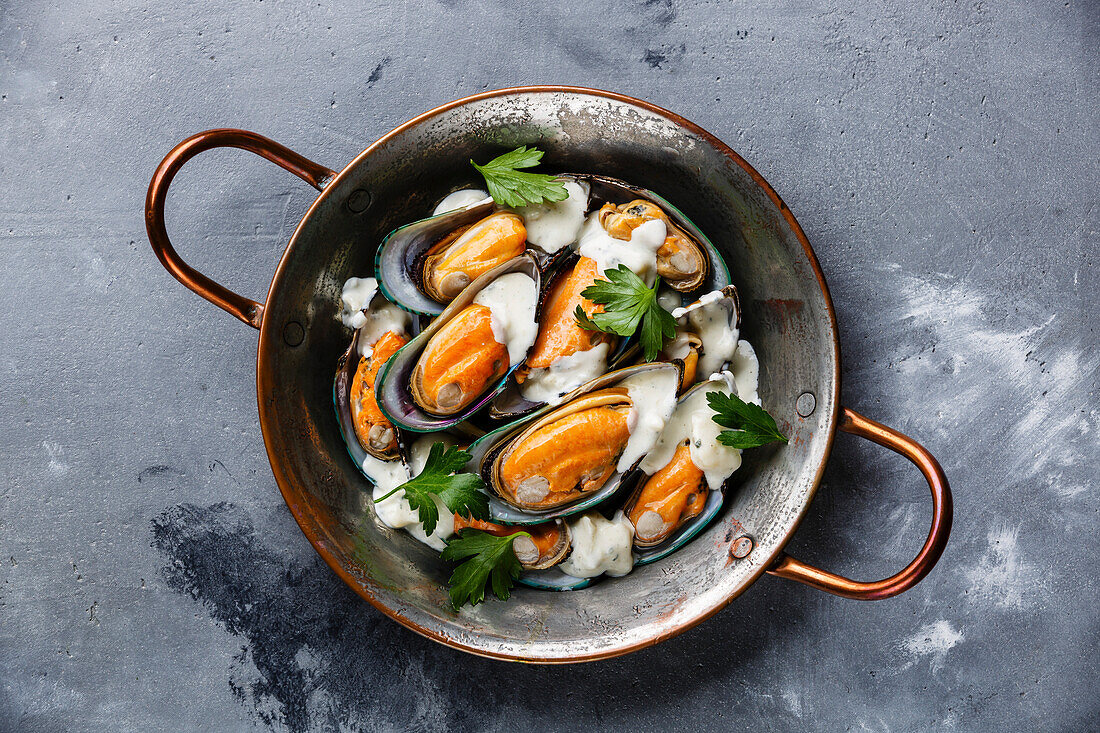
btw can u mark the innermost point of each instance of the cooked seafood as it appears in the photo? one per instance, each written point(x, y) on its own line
point(375, 433)
point(469, 252)
point(565, 355)
point(497, 290)
point(566, 455)
point(459, 362)
point(680, 260)
point(547, 545)
point(667, 499)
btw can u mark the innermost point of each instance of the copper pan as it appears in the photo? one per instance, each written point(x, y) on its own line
point(788, 317)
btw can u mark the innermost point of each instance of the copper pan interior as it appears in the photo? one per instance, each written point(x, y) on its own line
point(787, 317)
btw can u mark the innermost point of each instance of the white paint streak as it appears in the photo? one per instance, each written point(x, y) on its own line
point(1002, 576)
point(932, 641)
point(972, 357)
point(55, 451)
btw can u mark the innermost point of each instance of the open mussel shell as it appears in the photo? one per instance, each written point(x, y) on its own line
point(689, 529)
point(392, 385)
point(684, 533)
point(346, 368)
point(729, 299)
point(400, 256)
point(369, 465)
point(604, 189)
point(553, 579)
point(510, 404)
point(341, 397)
point(487, 448)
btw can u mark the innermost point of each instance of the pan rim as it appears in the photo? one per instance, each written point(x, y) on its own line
point(269, 335)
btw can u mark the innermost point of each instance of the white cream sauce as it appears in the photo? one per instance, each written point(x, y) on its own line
point(372, 319)
point(600, 546)
point(639, 253)
point(551, 226)
point(564, 375)
point(693, 421)
point(395, 511)
point(653, 399)
point(678, 346)
point(709, 318)
point(379, 320)
point(461, 199)
point(669, 299)
point(511, 300)
point(746, 372)
point(354, 297)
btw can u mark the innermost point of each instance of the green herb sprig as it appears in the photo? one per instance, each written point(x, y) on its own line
point(628, 304)
point(491, 561)
point(442, 477)
point(749, 425)
point(510, 186)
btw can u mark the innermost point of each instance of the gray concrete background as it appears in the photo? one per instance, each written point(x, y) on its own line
point(942, 158)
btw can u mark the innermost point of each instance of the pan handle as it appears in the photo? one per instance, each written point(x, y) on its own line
point(315, 175)
point(852, 422)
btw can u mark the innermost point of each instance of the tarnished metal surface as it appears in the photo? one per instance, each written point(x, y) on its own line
point(403, 175)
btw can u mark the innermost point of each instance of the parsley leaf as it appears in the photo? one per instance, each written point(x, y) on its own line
point(750, 425)
point(511, 187)
point(491, 559)
point(628, 304)
point(460, 492)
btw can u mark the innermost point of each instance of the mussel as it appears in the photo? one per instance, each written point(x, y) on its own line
point(666, 500)
point(561, 460)
point(566, 455)
point(564, 355)
point(706, 337)
point(713, 323)
point(681, 261)
point(549, 543)
point(684, 347)
point(469, 252)
point(682, 480)
point(375, 433)
point(381, 330)
point(461, 360)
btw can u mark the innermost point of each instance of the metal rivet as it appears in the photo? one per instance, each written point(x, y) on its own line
point(805, 404)
point(741, 547)
point(293, 333)
point(358, 200)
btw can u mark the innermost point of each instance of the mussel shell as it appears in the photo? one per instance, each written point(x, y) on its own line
point(392, 383)
point(604, 189)
point(484, 450)
point(341, 402)
point(346, 367)
point(510, 404)
point(730, 298)
point(562, 550)
point(685, 532)
point(554, 579)
point(398, 259)
point(633, 353)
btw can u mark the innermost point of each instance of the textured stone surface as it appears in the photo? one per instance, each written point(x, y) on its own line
point(942, 158)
